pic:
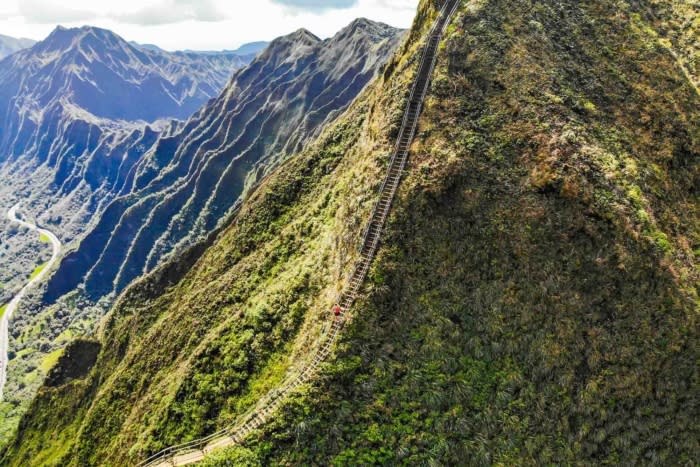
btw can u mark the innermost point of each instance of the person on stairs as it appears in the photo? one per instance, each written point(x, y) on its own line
point(337, 311)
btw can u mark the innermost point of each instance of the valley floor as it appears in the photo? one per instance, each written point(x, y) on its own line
point(37, 276)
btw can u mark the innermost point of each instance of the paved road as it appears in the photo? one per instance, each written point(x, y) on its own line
point(12, 306)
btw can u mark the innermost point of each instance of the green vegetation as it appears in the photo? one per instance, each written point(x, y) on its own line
point(2, 310)
point(50, 360)
point(49, 331)
point(233, 324)
point(676, 24)
point(31, 331)
point(535, 300)
point(37, 270)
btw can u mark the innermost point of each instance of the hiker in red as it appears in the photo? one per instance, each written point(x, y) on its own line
point(337, 310)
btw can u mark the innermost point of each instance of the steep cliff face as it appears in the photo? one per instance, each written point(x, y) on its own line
point(75, 104)
point(191, 180)
point(535, 299)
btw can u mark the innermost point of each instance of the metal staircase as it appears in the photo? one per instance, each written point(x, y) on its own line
point(195, 451)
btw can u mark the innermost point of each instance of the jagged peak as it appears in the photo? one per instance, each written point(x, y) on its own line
point(78, 31)
point(62, 38)
point(363, 22)
point(366, 27)
point(287, 46)
point(303, 35)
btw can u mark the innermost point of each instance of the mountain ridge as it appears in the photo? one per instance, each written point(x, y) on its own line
point(66, 150)
point(10, 45)
point(533, 302)
point(299, 70)
point(55, 115)
point(123, 195)
point(188, 80)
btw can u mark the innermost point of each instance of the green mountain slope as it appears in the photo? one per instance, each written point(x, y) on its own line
point(677, 23)
point(535, 299)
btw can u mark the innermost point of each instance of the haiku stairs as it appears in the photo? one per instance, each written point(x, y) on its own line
point(197, 450)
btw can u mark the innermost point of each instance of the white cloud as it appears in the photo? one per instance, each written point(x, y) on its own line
point(174, 11)
point(316, 6)
point(8, 9)
point(398, 4)
point(48, 12)
point(193, 24)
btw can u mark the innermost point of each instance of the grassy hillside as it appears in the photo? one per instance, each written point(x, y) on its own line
point(535, 299)
point(225, 331)
point(678, 24)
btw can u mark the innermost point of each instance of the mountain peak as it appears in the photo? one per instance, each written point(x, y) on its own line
point(77, 31)
point(365, 27)
point(290, 46)
point(62, 38)
point(96, 69)
point(363, 23)
point(304, 35)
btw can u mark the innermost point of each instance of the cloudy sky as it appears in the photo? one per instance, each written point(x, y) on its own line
point(198, 24)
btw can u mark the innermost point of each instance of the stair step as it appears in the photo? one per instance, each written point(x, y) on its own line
point(374, 230)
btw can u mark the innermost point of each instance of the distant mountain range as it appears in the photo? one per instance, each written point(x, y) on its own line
point(73, 119)
point(191, 179)
point(130, 154)
point(10, 45)
point(251, 48)
point(101, 73)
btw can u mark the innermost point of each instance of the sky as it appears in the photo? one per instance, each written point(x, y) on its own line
point(198, 24)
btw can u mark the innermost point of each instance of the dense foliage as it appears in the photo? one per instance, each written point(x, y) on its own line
point(159, 192)
point(535, 300)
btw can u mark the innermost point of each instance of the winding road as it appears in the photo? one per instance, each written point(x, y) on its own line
point(12, 306)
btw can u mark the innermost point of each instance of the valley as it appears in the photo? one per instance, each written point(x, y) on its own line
point(39, 275)
point(67, 152)
point(68, 147)
point(474, 241)
point(124, 195)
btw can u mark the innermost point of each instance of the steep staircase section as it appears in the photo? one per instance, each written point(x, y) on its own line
point(195, 451)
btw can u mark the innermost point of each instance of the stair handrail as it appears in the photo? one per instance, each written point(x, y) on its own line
point(249, 417)
point(441, 23)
